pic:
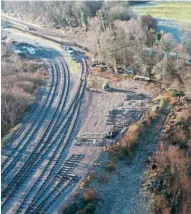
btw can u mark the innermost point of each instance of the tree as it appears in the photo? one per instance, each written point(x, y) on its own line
point(186, 42)
point(95, 29)
point(109, 47)
point(167, 42)
point(148, 22)
point(166, 71)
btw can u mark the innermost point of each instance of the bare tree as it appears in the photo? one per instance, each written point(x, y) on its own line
point(95, 29)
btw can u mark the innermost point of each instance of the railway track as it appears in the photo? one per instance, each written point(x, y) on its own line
point(36, 158)
point(23, 138)
point(65, 172)
point(48, 130)
point(16, 149)
point(33, 109)
point(57, 164)
point(30, 134)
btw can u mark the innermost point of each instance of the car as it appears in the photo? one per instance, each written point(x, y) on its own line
point(17, 51)
point(70, 50)
point(29, 50)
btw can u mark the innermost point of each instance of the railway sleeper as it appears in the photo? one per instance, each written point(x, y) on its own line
point(74, 160)
point(70, 164)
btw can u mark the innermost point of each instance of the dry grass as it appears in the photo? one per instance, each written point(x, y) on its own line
point(20, 80)
point(166, 97)
point(183, 116)
point(74, 66)
point(168, 177)
point(173, 183)
point(95, 83)
point(131, 136)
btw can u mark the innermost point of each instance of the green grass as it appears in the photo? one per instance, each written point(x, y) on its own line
point(173, 11)
point(73, 65)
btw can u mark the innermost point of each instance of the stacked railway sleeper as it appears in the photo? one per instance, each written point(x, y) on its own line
point(49, 151)
point(123, 117)
point(89, 142)
point(113, 132)
point(134, 96)
point(90, 139)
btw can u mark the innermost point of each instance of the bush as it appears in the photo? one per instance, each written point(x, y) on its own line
point(148, 21)
point(89, 194)
point(110, 167)
point(19, 84)
point(88, 209)
point(131, 136)
point(118, 13)
point(168, 176)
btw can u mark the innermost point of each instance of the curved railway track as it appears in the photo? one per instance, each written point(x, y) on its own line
point(45, 138)
point(22, 143)
point(50, 151)
point(48, 129)
point(30, 134)
point(62, 155)
point(33, 109)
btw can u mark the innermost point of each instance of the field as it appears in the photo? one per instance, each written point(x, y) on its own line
point(173, 11)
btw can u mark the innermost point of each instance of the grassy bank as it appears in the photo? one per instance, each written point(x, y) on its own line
point(167, 179)
point(174, 11)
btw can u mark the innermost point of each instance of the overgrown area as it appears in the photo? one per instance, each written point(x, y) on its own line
point(20, 81)
point(167, 180)
point(117, 37)
point(67, 13)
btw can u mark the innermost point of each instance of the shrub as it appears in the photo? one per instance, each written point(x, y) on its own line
point(18, 86)
point(130, 137)
point(173, 169)
point(88, 209)
point(102, 178)
point(110, 167)
point(148, 21)
point(89, 194)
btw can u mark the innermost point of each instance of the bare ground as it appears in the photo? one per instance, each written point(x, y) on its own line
point(95, 110)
